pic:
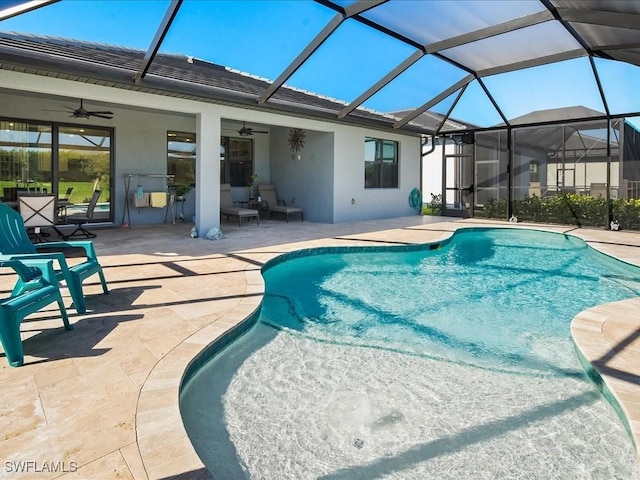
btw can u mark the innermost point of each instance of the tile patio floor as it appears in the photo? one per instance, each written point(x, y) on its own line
point(101, 401)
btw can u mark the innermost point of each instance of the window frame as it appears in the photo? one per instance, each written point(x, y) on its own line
point(172, 162)
point(378, 170)
point(232, 166)
point(53, 154)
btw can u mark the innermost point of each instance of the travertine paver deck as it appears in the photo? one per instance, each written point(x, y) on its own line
point(101, 401)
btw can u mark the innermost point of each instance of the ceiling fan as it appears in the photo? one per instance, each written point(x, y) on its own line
point(247, 131)
point(81, 112)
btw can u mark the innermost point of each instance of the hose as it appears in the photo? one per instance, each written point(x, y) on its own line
point(415, 198)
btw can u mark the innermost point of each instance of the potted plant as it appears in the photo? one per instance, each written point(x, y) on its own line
point(181, 190)
point(253, 185)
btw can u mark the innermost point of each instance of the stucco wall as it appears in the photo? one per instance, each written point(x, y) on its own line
point(305, 182)
point(140, 145)
point(141, 148)
point(432, 172)
point(328, 175)
point(352, 201)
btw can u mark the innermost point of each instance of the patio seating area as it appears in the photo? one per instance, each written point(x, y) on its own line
point(101, 401)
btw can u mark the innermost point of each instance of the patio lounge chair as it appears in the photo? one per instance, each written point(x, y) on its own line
point(66, 195)
point(63, 203)
point(230, 209)
point(271, 203)
point(15, 244)
point(41, 289)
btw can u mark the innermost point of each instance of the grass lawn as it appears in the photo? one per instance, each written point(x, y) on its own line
point(81, 193)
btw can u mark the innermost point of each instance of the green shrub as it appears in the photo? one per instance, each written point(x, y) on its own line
point(568, 209)
point(626, 213)
point(434, 207)
point(494, 208)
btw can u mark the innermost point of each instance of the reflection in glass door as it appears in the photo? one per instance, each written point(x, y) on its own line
point(85, 165)
point(25, 158)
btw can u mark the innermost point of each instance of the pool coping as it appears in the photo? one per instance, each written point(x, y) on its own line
point(165, 448)
point(601, 335)
point(604, 342)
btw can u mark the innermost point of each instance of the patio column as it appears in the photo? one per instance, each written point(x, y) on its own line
point(207, 192)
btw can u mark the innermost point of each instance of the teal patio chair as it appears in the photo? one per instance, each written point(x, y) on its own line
point(15, 244)
point(41, 289)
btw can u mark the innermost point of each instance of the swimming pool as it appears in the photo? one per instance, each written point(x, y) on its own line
point(447, 361)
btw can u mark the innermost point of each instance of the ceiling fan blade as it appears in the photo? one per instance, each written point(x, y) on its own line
point(100, 115)
point(81, 112)
point(68, 109)
point(248, 131)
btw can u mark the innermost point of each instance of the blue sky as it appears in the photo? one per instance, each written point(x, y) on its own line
point(263, 37)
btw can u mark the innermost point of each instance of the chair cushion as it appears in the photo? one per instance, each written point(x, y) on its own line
point(285, 209)
point(241, 212)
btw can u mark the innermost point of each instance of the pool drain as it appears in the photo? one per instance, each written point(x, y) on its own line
point(358, 443)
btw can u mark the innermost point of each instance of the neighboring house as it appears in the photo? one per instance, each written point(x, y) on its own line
point(197, 121)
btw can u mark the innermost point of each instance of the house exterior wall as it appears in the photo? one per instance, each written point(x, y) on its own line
point(149, 156)
point(354, 202)
point(432, 171)
point(328, 175)
point(305, 181)
point(132, 156)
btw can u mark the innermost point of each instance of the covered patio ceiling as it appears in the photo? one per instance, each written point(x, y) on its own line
point(386, 63)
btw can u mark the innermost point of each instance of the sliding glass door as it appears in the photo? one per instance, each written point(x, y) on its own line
point(70, 161)
point(84, 164)
point(25, 158)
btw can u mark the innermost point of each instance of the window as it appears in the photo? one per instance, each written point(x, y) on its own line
point(236, 161)
point(56, 158)
point(85, 164)
point(533, 172)
point(380, 163)
point(181, 157)
point(26, 160)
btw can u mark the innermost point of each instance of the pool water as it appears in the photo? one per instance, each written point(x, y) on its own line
point(451, 362)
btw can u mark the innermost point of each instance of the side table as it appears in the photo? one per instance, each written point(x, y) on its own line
point(254, 205)
point(180, 209)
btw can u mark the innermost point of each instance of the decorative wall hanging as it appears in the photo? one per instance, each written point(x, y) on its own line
point(296, 139)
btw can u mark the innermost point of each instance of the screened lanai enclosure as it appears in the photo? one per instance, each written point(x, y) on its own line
point(536, 100)
point(583, 173)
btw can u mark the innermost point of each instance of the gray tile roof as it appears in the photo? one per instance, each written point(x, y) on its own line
point(169, 74)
